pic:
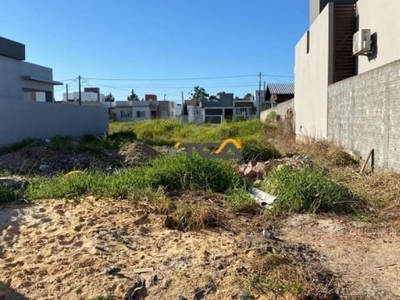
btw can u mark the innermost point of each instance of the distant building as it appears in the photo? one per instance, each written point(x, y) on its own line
point(150, 97)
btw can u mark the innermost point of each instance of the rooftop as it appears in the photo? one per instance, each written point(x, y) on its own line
point(280, 88)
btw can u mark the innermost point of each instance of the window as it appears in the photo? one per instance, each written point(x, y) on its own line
point(242, 111)
point(140, 114)
point(308, 42)
point(126, 114)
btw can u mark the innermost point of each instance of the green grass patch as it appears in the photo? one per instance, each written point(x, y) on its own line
point(178, 172)
point(160, 131)
point(307, 190)
point(174, 172)
point(8, 195)
point(100, 297)
point(239, 200)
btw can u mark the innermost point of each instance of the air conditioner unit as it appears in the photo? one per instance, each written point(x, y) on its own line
point(362, 42)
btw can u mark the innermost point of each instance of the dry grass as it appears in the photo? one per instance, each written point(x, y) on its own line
point(379, 191)
point(285, 276)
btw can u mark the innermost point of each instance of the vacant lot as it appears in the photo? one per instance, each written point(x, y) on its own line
point(71, 208)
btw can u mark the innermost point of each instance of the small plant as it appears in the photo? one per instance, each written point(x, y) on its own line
point(188, 217)
point(121, 138)
point(271, 117)
point(60, 142)
point(100, 297)
point(8, 195)
point(239, 200)
point(307, 190)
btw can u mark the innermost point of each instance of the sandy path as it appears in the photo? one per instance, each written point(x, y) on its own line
point(366, 258)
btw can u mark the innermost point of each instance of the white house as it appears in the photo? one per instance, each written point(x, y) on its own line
point(85, 96)
point(27, 102)
point(143, 110)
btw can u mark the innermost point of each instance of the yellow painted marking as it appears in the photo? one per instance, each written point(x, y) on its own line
point(237, 143)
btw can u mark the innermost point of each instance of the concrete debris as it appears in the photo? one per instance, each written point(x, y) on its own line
point(256, 170)
point(264, 199)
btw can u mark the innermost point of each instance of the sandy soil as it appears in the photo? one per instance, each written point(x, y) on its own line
point(366, 257)
point(54, 250)
point(59, 250)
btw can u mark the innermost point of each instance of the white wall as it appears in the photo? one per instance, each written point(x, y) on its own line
point(178, 110)
point(312, 77)
point(382, 17)
point(134, 111)
point(85, 96)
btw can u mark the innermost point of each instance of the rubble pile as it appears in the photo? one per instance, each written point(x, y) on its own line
point(256, 170)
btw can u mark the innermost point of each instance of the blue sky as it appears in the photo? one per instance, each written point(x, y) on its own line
point(159, 40)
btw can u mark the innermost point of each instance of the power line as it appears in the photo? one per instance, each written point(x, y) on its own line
point(187, 78)
point(171, 79)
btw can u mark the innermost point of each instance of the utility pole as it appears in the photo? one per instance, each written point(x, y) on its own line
point(66, 92)
point(182, 98)
point(259, 95)
point(80, 94)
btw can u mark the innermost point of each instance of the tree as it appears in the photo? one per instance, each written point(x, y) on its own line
point(213, 98)
point(109, 98)
point(199, 94)
point(248, 96)
point(185, 110)
point(133, 96)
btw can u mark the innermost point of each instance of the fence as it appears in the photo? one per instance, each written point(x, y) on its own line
point(20, 119)
point(364, 113)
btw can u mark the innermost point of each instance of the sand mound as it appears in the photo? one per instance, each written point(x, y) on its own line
point(137, 153)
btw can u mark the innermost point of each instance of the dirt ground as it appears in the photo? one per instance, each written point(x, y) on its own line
point(365, 256)
point(53, 249)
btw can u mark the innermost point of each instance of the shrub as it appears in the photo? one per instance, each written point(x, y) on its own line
point(306, 190)
point(177, 172)
point(253, 149)
point(8, 195)
point(341, 159)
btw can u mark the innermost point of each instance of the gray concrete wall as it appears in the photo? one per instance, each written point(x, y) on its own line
point(313, 73)
point(26, 119)
point(280, 109)
point(382, 17)
point(11, 83)
point(364, 113)
point(10, 78)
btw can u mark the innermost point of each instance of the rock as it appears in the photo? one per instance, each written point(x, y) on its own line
point(244, 295)
point(112, 270)
point(44, 168)
point(250, 173)
point(14, 182)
